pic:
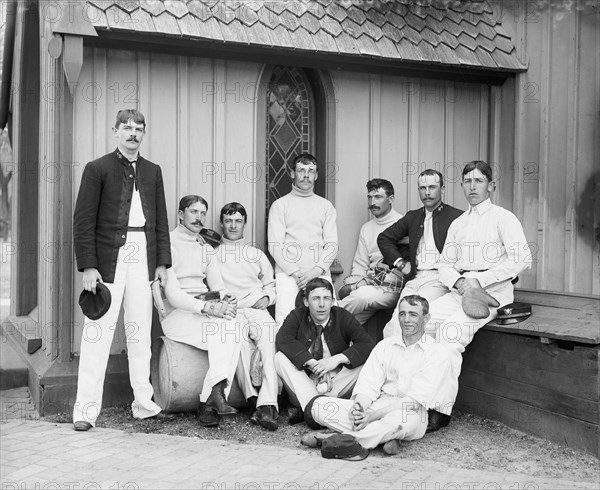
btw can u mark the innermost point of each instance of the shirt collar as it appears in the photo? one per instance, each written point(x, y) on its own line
point(423, 342)
point(436, 210)
point(482, 207)
point(312, 323)
point(123, 159)
point(188, 234)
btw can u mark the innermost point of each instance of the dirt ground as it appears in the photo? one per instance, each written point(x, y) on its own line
point(468, 442)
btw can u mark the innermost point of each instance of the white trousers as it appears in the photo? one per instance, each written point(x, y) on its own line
point(426, 283)
point(287, 290)
point(402, 424)
point(259, 333)
point(221, 339)
point(366, 300)
point(451, 327)
point(302, 388)
point(132, 288)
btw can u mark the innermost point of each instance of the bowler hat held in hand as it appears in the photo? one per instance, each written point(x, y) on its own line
point(94, 306)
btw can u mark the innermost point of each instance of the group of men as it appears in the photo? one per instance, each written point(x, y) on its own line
point(423, 264)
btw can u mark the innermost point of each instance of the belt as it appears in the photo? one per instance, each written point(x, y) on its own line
point(136, 228)
point(462, 271)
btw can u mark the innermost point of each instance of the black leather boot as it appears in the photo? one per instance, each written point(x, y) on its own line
point(436, 420)
point(208, 416)
point(266, 417)
point(217, 401)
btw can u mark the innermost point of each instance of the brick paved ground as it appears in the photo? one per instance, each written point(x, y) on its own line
point(44, 455)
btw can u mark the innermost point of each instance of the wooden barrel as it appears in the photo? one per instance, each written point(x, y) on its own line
point(177, 372)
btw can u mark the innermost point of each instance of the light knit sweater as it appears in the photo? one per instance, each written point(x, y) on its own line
point(302, 232)
point(367, 252)
point(193, 262)
point(246, 272)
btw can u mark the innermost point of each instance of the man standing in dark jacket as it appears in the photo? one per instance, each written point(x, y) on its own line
point(322, 348)
point(426, 229)
point(121, 236)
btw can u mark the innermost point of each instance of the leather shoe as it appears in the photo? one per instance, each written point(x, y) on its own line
point(217, 401)
point(81, 426)
point(266, 417)
point(295, 415)
point(436, 420)
point(208, 417)
point(162, 417)
point(392, 447)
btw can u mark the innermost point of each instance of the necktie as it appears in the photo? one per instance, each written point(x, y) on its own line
point(317, 345)
point(132, 165)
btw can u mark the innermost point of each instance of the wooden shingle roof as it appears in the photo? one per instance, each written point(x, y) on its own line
point(463, 34)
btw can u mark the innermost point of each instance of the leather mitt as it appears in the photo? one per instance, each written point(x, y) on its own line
point(216, 308)
point(476, 303)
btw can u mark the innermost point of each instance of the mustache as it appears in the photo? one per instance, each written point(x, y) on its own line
point(197, 222)
point(133, 138)
point(374, 207)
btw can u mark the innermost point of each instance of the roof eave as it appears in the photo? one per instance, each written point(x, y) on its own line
point(157, 42)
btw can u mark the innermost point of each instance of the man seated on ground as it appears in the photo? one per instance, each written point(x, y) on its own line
point(426, 229)
point(302, 237)
point(321, 348)
point(208, 325)
point(359, 296)
point(485, 250)
point(248, 275)
point(401, 380)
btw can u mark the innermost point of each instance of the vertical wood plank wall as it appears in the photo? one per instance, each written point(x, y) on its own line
point(202, 117)
point(557, 142)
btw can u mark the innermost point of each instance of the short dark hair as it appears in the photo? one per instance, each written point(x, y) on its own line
point(386, 185)
point(484, 167)
point(414, 300)
point(126, 115)
point(433, 172)
point(232, 208)
point(186, 201)
point(317, 282)
point(305, 159)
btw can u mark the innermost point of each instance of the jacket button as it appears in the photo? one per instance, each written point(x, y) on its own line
point(131, 176)
point(122, 236)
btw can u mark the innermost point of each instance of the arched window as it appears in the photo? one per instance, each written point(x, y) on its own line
point(296, 114)
point(290, 127)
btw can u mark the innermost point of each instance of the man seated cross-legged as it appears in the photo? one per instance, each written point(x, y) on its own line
point(401, 380)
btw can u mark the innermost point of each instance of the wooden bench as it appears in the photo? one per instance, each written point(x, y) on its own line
point(539, 376)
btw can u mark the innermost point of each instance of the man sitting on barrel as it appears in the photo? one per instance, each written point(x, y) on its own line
point(248, 274)
point(201, 316)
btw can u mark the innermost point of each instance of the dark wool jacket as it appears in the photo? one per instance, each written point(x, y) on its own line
point(412, 225)
point(297, 333)
point(102, 213)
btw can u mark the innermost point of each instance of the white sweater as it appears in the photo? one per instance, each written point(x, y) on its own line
point(367, 252)
point(246, 272)
point(302, 232)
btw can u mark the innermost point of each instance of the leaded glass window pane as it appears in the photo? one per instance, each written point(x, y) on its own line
point(289, 132)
